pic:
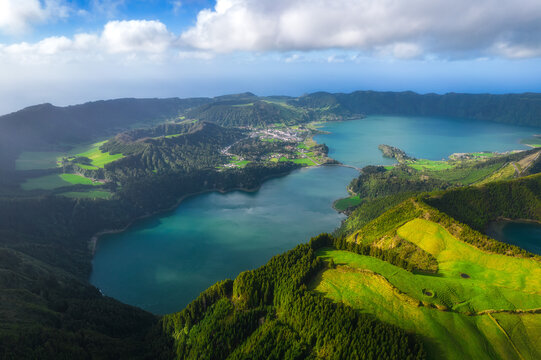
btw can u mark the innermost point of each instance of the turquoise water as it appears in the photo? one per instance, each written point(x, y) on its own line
point(164, 262)
point(356, 142)
point(527, 235)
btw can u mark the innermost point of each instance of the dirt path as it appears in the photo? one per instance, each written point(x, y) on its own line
point(506, 335)
point(517, 171)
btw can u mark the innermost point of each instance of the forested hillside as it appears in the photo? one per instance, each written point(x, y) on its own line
point(522, 109)
point(48, 127)
point(132, 158)
point(411, 279)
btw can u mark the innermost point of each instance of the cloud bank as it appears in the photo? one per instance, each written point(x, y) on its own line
point(403, 29)
point(18, 16)
point(143, 38)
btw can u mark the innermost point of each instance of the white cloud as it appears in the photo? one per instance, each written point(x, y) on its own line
point(404, 29)
point(136, 36)
point(17, 16)
point(127, 39)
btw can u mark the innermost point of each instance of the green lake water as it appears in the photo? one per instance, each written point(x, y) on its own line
point(164, 262)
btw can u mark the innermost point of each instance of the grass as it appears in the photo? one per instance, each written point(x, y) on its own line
point(399, 297)
point(304, 161)
point(77, 179)
point(35, 160)
point(97, 194)
point(505, 173)
point(467, 175)
point(449, 310)
point(97, 157)
point(240, 163)
point(47, 182)
point(50, 182)
point(431, 165)
point(484, 154)
point(39, 160)
point(346, 203)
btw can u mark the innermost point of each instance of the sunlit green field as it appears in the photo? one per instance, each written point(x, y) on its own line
point(468, 175)
point(346, 203)
point(304, 161)
point(99, 158)
point(424, 164)
point(505, 173)
point(448, 309)
point(38, 160)
point(416, 303)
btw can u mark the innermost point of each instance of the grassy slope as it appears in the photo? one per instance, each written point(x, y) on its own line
point(37, 160)
point(99, 158)
point(346, 203)
point(446, 310)
point(54, 181)
point(396, 295)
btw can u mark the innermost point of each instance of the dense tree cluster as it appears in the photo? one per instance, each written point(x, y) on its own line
point(52, 233)
point(523, 109)
point(311, 325)
point(249, 112)
point(254, 149)
point(477, 206)
point(376, 181)
point(368, 210)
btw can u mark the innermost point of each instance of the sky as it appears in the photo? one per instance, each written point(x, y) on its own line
point(66, 52)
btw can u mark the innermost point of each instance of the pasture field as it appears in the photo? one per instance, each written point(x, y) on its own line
point(467, 175)
point(423, 164)
point(346, 203)
point(99, 158)
point(78, 179)
point(47, 182)
point(433, 306)
point(304, 161)
point(240, 163)
point(484, 154)
point(54, 181)
point(505, 173)
point(37, 160)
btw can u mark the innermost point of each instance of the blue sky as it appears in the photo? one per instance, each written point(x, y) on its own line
point(68, 52)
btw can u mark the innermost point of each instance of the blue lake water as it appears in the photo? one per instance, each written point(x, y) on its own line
point(527, 235)
point(164, 262)
point(356, 142)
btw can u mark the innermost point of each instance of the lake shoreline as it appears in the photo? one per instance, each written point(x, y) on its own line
point(93, 242)
point(495, 227)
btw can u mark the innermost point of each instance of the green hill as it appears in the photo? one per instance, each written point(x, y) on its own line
point(482, 299)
